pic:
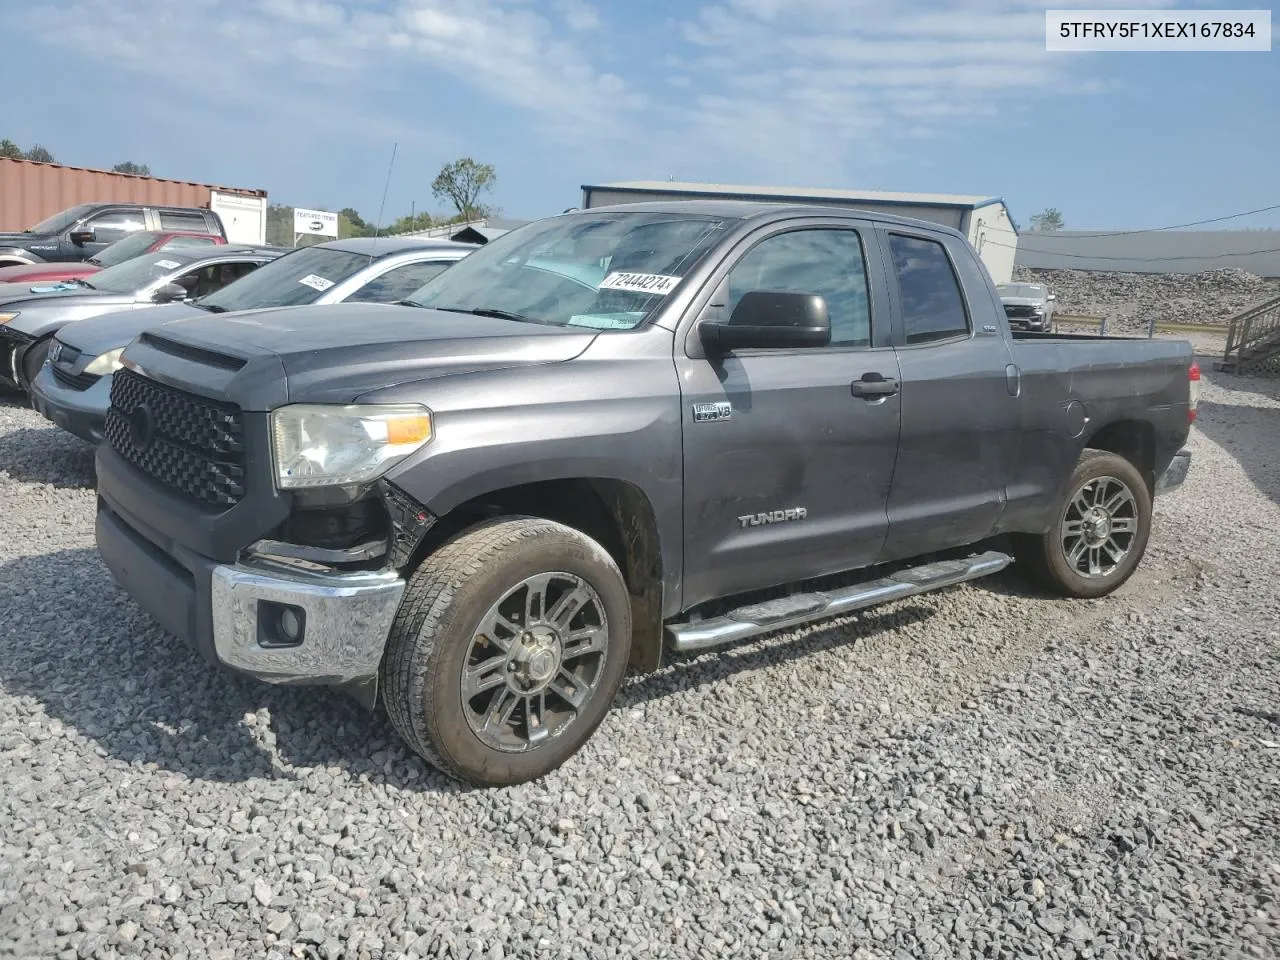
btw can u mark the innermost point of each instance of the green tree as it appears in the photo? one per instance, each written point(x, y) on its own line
point(462, 182)
point(1050, 219)
point(10, 149)
point(279, 225)
point(39, 153)
point(137, 169)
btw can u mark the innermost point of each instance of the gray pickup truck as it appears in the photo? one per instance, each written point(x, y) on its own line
point(619, 430)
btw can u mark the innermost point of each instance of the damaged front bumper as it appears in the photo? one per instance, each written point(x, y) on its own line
point(287, 626)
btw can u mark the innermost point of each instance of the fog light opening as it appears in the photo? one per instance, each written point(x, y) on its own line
point(280, 624)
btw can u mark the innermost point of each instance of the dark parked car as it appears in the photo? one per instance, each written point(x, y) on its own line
point(74, 388)
point(134, 245)
point(85, 230)
point(608, 431)
point(31, 314)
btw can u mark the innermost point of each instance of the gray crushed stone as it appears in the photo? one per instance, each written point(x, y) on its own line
point(985, 772)
point(1129, 301)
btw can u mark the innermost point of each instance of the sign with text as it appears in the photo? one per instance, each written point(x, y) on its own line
point(319, 223)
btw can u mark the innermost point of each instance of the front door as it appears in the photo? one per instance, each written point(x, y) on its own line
point(108, 226)
point(961, 419)
point(787, 471)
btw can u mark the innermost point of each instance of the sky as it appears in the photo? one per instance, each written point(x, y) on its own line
point(306, 99)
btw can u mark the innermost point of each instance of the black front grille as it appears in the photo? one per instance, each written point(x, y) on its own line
point(1021, 312)
point(189, 443)
point(75, 381)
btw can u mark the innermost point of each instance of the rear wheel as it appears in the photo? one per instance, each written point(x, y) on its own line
point(1100, 531)
point(507, 651)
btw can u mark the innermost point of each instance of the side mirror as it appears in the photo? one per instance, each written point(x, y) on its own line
point(83, 236)
point(1052, 296)
point(767, 319)
point(170, 293)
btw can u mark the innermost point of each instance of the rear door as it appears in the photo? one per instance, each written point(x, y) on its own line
point(787, 471)
point(183, 221)
point(960, 409)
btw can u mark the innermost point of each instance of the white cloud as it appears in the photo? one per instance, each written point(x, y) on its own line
point(805, 88)
point(780, 90)
point(578, 15)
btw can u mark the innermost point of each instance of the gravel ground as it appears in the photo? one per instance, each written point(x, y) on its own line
point(980, 773)
point(1130, 300)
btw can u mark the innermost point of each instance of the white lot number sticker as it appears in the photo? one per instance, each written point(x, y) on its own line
point(168, 264)
point(654, 283)
point(316, 282)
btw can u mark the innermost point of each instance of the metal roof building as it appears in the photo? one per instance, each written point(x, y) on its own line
point(983, 219)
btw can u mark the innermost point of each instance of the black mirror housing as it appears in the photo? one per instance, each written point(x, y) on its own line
point(170, 293)
point(769, 319)
point(81, 237)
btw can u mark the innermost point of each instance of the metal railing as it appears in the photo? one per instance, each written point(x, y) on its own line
point(1253, 339)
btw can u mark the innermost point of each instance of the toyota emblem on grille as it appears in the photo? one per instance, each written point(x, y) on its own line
point(142, 426)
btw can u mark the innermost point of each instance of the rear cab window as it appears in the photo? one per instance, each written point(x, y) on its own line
point(932, 304)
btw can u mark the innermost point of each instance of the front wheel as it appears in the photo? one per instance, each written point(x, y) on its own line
point(1100, 530)
point(507, 651)
point(32, 361)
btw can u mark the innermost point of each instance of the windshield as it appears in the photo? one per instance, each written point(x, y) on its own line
point(60, 221)
point(295, 279)
point(133, 276)
point(1028, 290)
point(606, 271)
point(131, 246)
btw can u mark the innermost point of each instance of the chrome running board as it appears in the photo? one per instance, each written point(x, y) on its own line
point(757, 618)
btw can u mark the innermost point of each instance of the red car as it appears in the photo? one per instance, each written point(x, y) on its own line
point(134, 245)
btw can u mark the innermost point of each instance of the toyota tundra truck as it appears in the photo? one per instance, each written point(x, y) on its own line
point(610, 434)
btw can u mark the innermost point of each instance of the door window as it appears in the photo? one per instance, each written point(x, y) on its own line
point(212, 278)
point(398, 282)
point(825, 262)
point(113, 225)
point(932, 305)
point(176, 220)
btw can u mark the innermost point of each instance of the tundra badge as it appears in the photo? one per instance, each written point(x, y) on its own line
point(773, 516)
point(710, 412)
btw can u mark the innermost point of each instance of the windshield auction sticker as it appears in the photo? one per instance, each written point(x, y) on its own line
point(654, 283)
point(167, 264)
point(316, 282)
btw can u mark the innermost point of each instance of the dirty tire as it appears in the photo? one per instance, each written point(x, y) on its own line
point(1044, 558)
point(431, 639)
point(33, 360)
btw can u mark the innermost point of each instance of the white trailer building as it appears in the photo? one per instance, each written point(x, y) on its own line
point(984, 220)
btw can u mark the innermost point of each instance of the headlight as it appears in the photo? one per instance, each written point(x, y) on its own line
point(6, 317)
point(316, 445)
point(105, 363)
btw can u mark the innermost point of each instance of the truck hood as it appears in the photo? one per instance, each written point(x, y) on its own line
point(1023, 301)
point(20, 239)
point(338, 352)
point(97, 335)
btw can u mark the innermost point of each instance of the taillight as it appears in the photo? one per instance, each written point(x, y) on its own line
point(1193, 374)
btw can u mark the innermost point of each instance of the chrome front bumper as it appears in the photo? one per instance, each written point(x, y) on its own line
point(345, 618)
point(1176, 472)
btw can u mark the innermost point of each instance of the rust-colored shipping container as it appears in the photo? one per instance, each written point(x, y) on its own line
point(31, 191)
